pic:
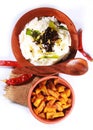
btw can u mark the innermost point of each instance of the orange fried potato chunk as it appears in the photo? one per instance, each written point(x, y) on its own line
point(38, 100)
point(40, 108)
point(53, 115)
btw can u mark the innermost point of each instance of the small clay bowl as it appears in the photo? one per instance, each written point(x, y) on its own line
point(40, 12)
point(31, 99)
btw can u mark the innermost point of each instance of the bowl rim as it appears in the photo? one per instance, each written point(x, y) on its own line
point(67, 84)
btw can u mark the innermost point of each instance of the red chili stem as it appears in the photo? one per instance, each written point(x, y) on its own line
point(80, 46)
point(9, 63)
point(19, 80)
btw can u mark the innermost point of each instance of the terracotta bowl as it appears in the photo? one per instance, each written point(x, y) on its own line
point(37, 90)
point(39, 12)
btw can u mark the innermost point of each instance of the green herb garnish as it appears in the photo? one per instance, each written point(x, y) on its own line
point(52, 25)
point(29, 32)
point(33, 33)
point(50, 55)
point(62, 27)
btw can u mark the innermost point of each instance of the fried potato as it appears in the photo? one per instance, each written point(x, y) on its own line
point(49, 109)
point(50, 99)
point(44, 90)
point(61, 88)
point(37, 100)
point(40, 108)
point(65, 106)
point(58, 114)
point(62, 101)
point(58, 106)
point(53, 93)
point(68, 92)
point(52, 115)
point(51, 85)
point(38, 90)
point(56, 81)
point(42, 115)
point(50, 103)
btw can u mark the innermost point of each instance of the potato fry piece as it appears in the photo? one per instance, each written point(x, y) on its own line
point(48, 98)
point(33, 98)
point(51, 85)
point(44, 90)
point(38, 90)
point(63, 95)
point(49, 109)
point(62, 101)
point(56, 81)
point(49, 115)
point(58, 114)
point(65, 106)
point(68, 92)
point(40, 108)
point(53, 93)
point(58, 106)
point(61, 88)
point(52, 115)
point(50, 103)
point(42, 115)
point(38, 100)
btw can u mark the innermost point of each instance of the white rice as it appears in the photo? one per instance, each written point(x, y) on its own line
point(32, 52)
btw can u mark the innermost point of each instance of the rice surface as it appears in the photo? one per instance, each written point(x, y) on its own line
point(55, 48)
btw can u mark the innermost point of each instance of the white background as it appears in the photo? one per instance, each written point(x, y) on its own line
point(17, 117)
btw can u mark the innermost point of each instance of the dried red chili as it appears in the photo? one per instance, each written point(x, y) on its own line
point(19, 80)
point(9, 63)
point(80, 46)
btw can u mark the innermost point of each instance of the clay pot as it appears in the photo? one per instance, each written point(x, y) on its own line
point(30, 95)
point(39, 12)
